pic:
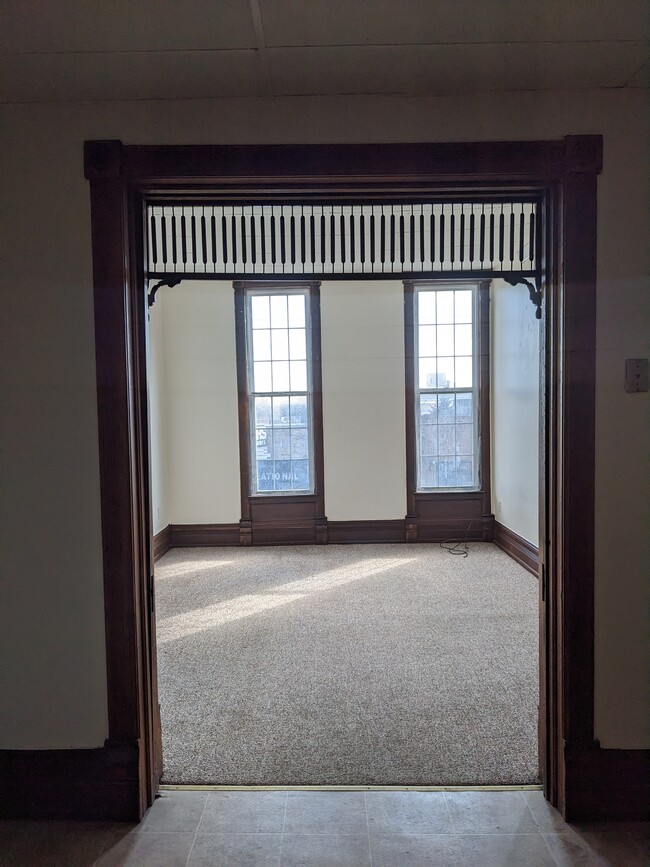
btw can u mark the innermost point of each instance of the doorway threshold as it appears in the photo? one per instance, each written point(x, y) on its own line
point(206, 788)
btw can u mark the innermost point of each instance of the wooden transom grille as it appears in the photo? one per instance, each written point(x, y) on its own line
point(245, 240)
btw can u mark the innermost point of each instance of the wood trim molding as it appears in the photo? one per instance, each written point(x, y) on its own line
point(361, 532)
point(606, 785)
point(98, 784)
point(203, 535)
point(524, 552)
point(563, 172)
point(162, 542)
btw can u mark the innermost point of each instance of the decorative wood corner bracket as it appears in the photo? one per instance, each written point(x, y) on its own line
point(533, 291)
point(169, 281)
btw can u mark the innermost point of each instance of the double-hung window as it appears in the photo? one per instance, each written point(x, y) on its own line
point(279, 390)
point(446, 387)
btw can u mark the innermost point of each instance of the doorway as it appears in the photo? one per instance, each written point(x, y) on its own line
point(564, 175)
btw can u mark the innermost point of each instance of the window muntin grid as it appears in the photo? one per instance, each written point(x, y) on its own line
point(278, 353)
point(446, 387)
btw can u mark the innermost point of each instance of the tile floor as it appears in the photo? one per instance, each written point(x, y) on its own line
point(331, 828)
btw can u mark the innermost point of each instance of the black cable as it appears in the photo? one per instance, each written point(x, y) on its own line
point(455, 549)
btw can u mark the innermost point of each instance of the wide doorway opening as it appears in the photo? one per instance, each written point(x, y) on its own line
point(345, 488)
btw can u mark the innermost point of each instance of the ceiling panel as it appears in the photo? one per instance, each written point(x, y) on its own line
point(130, 75)
point(452, 68)
point(124, 25)
point(395, 22)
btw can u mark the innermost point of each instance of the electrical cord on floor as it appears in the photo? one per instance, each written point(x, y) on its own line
point(456, 548)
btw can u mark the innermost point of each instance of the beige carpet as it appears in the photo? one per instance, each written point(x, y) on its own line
point(347, 664)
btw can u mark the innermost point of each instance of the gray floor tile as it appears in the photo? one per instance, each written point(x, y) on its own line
point(546, 817)
point(175, 811)
point(149, 849)
point(614, 844)
point(408, 850)
point(407, 813)
point(325, 850)
point(489, 813)
point(570, 850)
point(326, 813)
point(242, 850)
point(50, 844)
point(504, 850)
point(244, 812)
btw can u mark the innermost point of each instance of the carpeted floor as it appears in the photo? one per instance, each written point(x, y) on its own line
point(347, 664)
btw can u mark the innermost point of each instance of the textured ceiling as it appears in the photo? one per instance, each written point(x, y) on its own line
point(52, 50)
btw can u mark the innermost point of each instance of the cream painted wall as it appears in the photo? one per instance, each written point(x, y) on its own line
point(201, 397)
point(157, 416)
point(514, 407)
point(51, 605)
point(362, 336)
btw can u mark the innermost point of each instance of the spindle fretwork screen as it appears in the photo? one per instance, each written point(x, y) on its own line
point(251, 240)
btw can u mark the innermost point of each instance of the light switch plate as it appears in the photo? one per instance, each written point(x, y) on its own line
point(636, 374)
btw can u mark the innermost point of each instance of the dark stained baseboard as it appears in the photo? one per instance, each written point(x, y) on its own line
point(524, 552)
point(606, 785)
point(294, 532)
point(161, 542)
point(345, 532)
point(94, 785)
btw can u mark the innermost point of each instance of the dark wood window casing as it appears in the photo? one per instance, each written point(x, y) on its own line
point(438, 514)
point(280, 518)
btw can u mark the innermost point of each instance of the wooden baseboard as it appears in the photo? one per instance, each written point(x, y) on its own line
point(457, 529)
point(201, 535)
point(346, 532)
point(95, 785)
point(161, 543)
point(606, 785)
point(524, 552)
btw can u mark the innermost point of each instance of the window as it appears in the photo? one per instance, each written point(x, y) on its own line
point(446, 387)
point(278, 352)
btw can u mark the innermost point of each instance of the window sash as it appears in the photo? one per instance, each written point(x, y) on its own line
point(474, 390)
point(252, 394)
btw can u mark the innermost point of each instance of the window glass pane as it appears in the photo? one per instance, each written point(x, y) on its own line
point(426, 308)
point(429, 408)
point(428, 473)
point(297, 344)
point(262, 345)
point(280, 411)
point(265, 476)
point(445, 339)
point(298, 375)
point(264, 443)
point(280, 376)
point(464, 439)
point(445, 378)
point(282, 476)
point(297, 311)
point(446, 408)
point(279, 344)
point(465, 472)
point(429, 440)
point(262, 376)
point(300, 475)
point(427, 340)
point(262, 411)
point(447, 439)
point(463, 372)
point(445, 307)
point(464, 306)
point(281, 443)
point(299, 443)
point(428, 373)
point(298, 411)
point(279, 317)
point(463, 340)
point(260, 310)
point(464, 408)
point(447, 473)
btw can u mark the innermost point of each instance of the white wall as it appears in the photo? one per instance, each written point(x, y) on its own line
point(157, 417)
point(362, 335)
point(514, 407)
point(51, 610)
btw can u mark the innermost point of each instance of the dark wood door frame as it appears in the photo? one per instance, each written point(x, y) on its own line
point(564, 173)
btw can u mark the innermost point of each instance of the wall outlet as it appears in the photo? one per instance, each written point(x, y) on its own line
point(636, 374)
